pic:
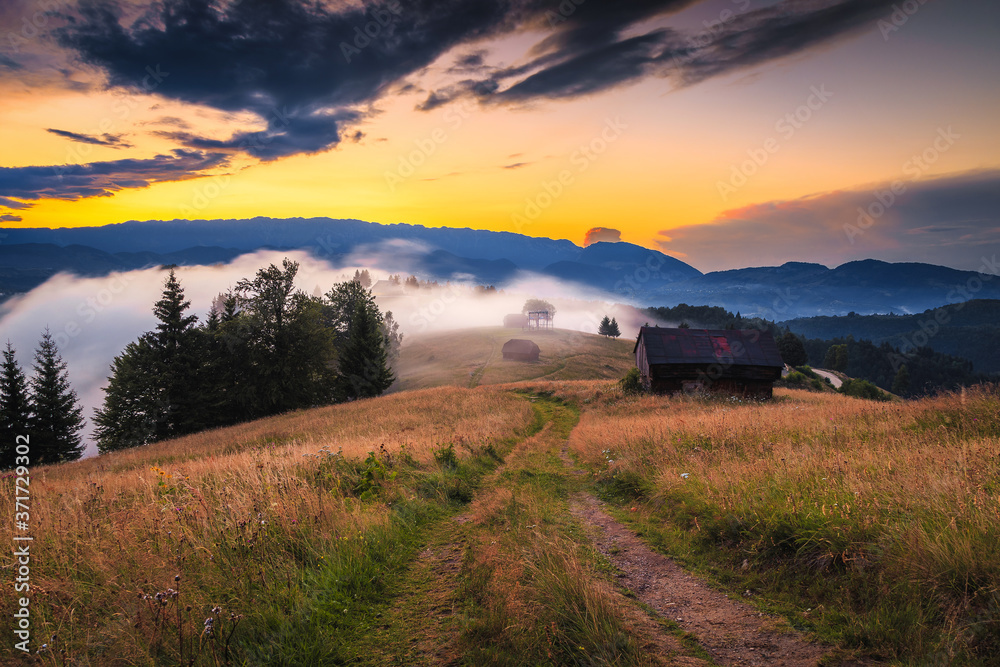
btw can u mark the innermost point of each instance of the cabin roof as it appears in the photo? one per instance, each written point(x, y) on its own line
point(519, 346)
point(735, 347)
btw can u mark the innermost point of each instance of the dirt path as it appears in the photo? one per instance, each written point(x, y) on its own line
point(832, 377)
point(732, 632)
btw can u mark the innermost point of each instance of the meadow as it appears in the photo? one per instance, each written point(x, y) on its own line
point(434, 526)
point(876, 525)
point(256, 526)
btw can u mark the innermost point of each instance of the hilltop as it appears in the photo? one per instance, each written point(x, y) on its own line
point(471, 357)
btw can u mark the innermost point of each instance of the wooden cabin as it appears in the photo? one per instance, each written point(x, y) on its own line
point(517, 349)
point(743, 362)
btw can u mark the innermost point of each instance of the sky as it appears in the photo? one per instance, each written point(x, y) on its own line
point(727, 133)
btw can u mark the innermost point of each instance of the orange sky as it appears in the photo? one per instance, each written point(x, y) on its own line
point(658, 154)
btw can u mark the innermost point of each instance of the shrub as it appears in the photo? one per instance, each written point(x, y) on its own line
point(632, 382)
point(863, 389)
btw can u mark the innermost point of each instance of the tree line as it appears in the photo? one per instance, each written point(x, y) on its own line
point(44, 407)
point(265, 348)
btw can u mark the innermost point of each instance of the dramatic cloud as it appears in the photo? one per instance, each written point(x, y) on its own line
point(21, 185)
point(303, 69)
point(10, 218)
point(775, 32)
point(110, 140)
point(598, 234)
point(307, 71)
point(594, 48)
point(953, 221)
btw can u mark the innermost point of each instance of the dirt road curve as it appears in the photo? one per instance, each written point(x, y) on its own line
point(732, 632)
point(832, 377)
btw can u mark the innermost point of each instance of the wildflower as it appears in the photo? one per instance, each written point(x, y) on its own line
point(685, 475)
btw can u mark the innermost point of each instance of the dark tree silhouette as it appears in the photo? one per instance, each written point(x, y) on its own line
point(56, 417)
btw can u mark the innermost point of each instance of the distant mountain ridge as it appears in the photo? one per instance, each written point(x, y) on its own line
point(625, 272)
point(969, 329)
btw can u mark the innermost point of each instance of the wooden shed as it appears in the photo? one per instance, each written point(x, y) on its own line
point(517, 349)
point(741, 362)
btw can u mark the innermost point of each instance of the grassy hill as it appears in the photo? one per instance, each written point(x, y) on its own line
point(471, 357)
point(443, 525)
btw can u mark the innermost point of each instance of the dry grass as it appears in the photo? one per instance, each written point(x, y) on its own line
point(903, 497)
point(474, 356)
point(236, 512)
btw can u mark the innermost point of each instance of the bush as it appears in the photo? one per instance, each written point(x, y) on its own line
point(863, 389)
point(632, 382)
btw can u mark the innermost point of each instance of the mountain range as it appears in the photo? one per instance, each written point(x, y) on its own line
point(623, 271)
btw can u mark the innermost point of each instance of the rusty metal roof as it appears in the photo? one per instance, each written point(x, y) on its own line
point(738, 347)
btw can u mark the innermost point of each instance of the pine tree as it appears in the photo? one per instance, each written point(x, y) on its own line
point(56, 417)
point(15, 407)
point(604, 328)
point(133, 413)
point(613, 330)
point(901, 383)
point(178, 362)
point(364, 363)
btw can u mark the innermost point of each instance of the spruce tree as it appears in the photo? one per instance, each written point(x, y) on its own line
point(364, 363)
point(604, 328)
point(901, 383)
point(179, 362)
point(613, 329)
point(56, 417)
point(133, 413)
point(15, 407)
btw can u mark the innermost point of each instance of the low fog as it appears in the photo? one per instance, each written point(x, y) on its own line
point(93, 319)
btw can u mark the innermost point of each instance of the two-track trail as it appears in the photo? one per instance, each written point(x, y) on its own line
point(534, 571)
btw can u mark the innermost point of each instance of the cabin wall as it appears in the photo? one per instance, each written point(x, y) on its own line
point(752, 381)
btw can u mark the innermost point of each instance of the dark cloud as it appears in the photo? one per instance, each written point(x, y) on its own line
point(110, 140)
point(21, 185)
point(775, 32)
point(9, 63)
point(516, 165)
point(952, 220)
point(595, 48)
point(309, 71)
point(10, 218)
point(303, 69)
point(598, 234)
point(173, 121)
point(14, 204)
point(474, 62)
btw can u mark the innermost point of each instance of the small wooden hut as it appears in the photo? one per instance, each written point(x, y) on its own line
point(517, 349)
